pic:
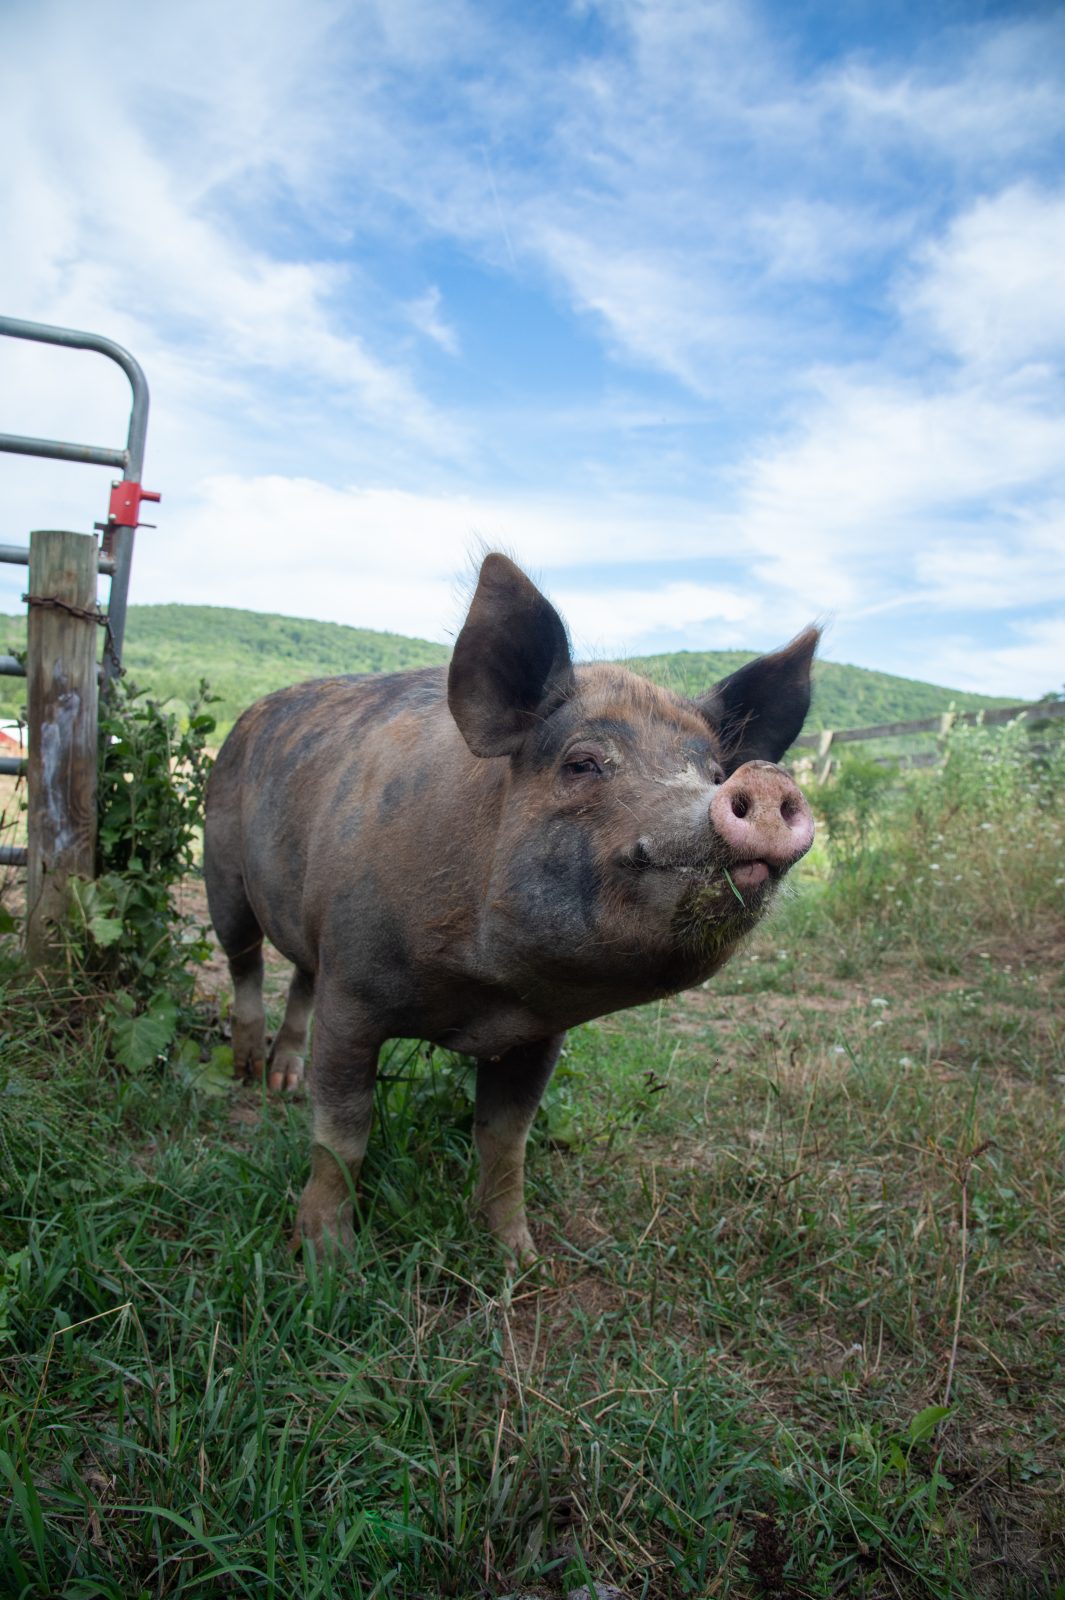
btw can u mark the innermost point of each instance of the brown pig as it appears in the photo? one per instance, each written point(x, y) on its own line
point(484, 857)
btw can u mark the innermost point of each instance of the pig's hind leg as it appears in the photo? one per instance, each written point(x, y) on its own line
point(509, 1091)
point(343, 1073)
point(241, 938)
point(249, 1019)
point(289, 1048)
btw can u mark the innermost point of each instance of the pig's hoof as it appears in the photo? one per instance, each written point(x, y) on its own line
point(286, 1072)
point(249, 1051)
point(518, 1243)
point(329, 1229)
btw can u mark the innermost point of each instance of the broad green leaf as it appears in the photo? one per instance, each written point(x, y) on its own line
point(216, 1076)
point(924, 1424)
point(138, 1041)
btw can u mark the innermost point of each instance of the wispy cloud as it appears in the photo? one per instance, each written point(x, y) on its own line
point(426, 314)
point(128, 228)
point(992, 288)
point(715, 282)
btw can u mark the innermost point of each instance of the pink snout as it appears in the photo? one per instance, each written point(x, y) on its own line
point(761, 814)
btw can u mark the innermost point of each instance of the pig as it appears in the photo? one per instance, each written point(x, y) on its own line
point(483, 857)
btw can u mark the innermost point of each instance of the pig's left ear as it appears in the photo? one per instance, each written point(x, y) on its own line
point(758, 711)
point(511, 663)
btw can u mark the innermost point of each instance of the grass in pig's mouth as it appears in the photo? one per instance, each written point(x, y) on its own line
point(710, 891)
point(719, 891)
point(717, 911)
point(732, 886)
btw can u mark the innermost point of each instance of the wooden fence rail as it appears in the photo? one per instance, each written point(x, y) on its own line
point(825, 741)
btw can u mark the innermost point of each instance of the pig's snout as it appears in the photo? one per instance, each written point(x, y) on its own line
point(762, 815)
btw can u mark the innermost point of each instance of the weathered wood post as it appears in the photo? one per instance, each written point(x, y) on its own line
point(824, 753)
point(62, 706)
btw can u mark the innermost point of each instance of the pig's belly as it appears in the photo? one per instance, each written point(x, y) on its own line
point(501, 1023)
point(487, 1022)
point(492, 1036)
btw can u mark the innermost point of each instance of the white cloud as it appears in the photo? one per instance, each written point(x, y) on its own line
point(1028, 662)
point(399, 561)
point(992, 290)
point(426, 314)
point(654, 307)
point(1020, 568)
point(115, 226)
point(942, 488)
point(616, 621)
point(851, 270)
point(880, 473)
point(988, 96)
point(813, 240)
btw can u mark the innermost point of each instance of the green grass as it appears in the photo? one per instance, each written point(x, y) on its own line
point(782, 1217)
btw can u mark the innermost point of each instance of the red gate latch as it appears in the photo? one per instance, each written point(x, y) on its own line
point(124, 509)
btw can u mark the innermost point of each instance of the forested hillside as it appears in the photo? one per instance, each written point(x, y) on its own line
point(245, 654)
point(844, 697)
point(242, 654)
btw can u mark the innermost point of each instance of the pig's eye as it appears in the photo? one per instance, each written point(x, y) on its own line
point(715, 772)
point(582, 763)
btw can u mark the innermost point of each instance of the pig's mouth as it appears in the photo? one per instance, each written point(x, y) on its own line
point(717, 874)
point(750, 874)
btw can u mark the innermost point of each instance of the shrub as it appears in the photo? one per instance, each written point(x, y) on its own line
point(852, 803)
point(937, 860)
point(128, 947)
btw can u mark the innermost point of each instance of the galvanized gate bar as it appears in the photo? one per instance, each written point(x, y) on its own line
point(123, 515)
point(121, 524)
point(18, 555)
point(93, 455)
point(131, 459)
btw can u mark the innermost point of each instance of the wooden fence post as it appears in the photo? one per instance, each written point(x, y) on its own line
point(824, 754)
point(62, 704)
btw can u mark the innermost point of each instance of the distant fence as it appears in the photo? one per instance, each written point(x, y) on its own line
point(824, 743)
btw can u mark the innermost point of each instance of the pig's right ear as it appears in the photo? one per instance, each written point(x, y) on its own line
point(511, 661)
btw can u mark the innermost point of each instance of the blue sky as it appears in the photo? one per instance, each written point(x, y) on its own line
point(719, 316)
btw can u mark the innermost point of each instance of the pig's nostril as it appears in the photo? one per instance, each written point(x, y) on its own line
point(789, 809)
point(740, 805)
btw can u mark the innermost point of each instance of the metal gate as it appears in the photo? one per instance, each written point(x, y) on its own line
point(123, 512)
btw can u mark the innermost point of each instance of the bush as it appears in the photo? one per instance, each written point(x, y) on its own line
point(939, 860)
point(852, 803)
point(127, 946)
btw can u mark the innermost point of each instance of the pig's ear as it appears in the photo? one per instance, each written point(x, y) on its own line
point(511, 661)
point(758, 711)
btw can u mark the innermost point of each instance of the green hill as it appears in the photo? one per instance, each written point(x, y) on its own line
point(242, 654)
point(245, 654)
point(844, 697)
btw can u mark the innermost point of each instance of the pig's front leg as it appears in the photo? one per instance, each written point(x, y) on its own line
point(343, 1073)
point(509, 1091)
